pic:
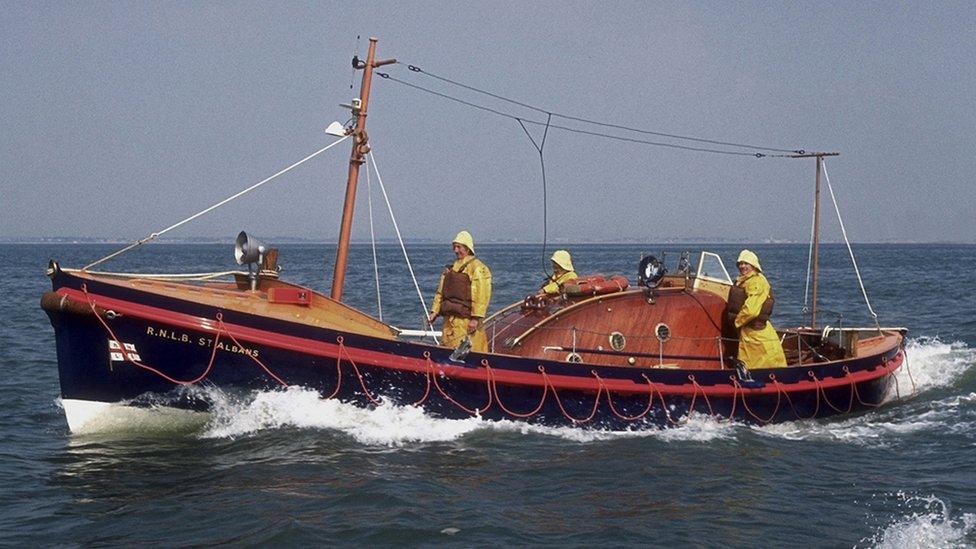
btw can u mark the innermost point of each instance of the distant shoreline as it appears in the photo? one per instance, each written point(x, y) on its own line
point(552, 243)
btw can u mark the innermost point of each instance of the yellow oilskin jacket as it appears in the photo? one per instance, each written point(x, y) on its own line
point(757, 348)
point(455, 328)
point(555, 285)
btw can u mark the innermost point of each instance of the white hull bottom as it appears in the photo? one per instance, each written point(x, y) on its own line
point(91, 416)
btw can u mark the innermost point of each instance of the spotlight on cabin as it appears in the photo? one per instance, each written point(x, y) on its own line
point(650, 272)
point(250, 251)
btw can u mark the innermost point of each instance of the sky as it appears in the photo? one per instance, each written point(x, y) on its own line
point(118, 119)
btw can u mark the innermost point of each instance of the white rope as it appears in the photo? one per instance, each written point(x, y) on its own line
point(155, 235)
point(372, 239)
point(423, 303)
point(806, 289)
point(848, 242)
point(163, 276)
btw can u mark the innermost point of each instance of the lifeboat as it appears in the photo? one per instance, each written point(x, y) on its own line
point(650, 355)
point(605, 353)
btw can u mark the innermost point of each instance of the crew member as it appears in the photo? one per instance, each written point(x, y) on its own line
point(462, 296)
point(562, 272)
point(759, 346)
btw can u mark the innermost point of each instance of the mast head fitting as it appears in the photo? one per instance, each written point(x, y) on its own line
point(355, 105)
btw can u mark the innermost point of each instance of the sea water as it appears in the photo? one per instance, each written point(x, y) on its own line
point(286, 467)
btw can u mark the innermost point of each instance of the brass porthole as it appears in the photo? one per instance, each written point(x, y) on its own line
point(617, 341)
point(663, 332)
point(574, 358)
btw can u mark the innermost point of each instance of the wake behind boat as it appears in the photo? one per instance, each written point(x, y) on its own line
point(607, 354)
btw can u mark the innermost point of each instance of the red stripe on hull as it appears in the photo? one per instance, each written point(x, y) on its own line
point(501, 375)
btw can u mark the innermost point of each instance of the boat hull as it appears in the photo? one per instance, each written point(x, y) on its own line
point(123, 346)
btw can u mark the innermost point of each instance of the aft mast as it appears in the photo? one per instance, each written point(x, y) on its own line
point(816, 232)
point(360, 147)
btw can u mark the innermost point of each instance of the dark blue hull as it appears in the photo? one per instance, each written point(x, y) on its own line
point(259, 353)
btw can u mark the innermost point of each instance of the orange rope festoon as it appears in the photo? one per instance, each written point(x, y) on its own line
point(738, 388)
point(362, 383)
point(427, 368)
point(820, 390)
point(711, 411)
point(220, 322)
point(128, 358)
point(790, 400)
point(498, 398)
point(650, 400)
point(596, 401)
point(447, 397)
point(858, 394)
point(911, 378)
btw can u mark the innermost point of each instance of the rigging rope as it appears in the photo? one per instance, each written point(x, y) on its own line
point(585, 132)
point(168, 276)
point(156, 235)
point(372, 240)
point(423, 303)
point(414, 68)
point(848, 242)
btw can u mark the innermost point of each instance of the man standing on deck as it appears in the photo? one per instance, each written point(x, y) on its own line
point(462, 296)
point(759, 346)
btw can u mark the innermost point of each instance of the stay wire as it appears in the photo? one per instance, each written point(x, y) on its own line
point(419, 70)
point(387, 76)
point(157, 234)
point(372, 240)
point(403, 247)
point(850, 250)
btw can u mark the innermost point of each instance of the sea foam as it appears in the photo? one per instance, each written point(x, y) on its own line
point(393, 425)
point(930, 365)
point(927, 522)
point(933, 364)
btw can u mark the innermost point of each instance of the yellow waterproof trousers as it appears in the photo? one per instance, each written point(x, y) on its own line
point(454, 330)
point(761, 348)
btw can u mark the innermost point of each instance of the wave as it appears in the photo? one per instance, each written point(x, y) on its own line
point(931, 363)
point(880, 428)
point(927, 522)
point(394, 425)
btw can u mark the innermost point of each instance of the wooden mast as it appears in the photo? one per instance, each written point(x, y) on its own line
point(360, 147)
point(816, 233)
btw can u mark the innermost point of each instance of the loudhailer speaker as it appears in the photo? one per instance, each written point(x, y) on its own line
point(247, 249)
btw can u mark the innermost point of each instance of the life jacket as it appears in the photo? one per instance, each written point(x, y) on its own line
point(456, 291)
point(737, 298)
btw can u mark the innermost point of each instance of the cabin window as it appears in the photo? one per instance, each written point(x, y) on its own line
point(662, 332)
point(574, 358)
point(617, 341)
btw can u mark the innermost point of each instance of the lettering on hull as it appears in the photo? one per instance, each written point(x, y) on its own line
point(208, 342)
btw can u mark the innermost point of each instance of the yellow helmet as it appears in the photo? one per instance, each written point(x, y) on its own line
point(563, 259)
point(746, 256)
point(464, 237)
